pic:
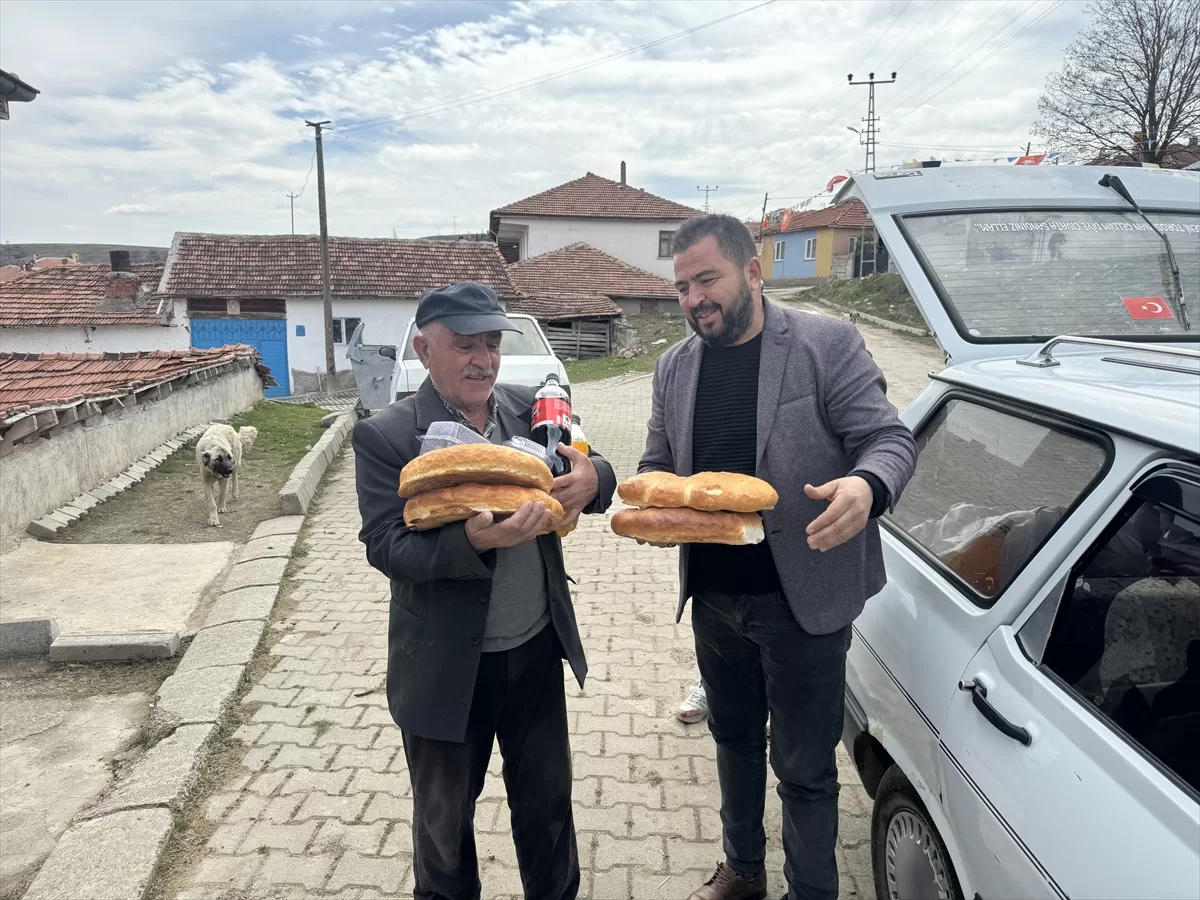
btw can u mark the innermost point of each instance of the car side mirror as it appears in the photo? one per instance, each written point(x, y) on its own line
point(389, 352)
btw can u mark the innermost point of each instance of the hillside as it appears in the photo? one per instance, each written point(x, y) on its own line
point(88, 253)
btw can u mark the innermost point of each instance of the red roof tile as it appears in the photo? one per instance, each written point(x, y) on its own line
point(579, 281)
point(71, 295)
point(237, 266)
point(851, 214)
point(598, 198)
point(35, 381)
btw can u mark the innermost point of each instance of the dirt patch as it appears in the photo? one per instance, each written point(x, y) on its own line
point(884, 296)
point(168, 506)
point(655, 335)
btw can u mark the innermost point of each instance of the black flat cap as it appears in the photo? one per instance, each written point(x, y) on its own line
point(464, 308)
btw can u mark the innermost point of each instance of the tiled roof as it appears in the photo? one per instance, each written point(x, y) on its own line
point(239, 266)
point(594, 197)
point(550, 307)
point(71, 295)
point(851, 214)
point(579, 281)
point(36, 381)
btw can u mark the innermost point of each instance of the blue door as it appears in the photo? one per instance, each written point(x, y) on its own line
point(267, 336)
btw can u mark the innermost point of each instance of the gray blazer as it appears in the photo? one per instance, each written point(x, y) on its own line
point(822, 411)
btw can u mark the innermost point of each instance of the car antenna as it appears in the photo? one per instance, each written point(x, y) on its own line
point(1111, 181)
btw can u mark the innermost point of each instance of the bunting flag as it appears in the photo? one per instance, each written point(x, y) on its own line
point(834, 181)
point(787, 220)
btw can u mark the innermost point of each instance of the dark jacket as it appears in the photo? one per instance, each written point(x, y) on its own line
point(440, 586)
point(822, 411)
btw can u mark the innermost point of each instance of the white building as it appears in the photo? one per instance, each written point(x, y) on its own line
point(84, 308)
point(265, 291)
point(626, 222)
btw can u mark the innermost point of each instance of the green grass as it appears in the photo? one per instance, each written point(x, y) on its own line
point(884, 296)
point(650, 329)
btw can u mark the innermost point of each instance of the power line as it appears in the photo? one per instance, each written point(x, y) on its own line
point(932, 35)
point(867, 55)
point(306, 177)
point(911, 29)
point(504, 90)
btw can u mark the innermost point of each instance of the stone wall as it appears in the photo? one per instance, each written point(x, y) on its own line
point(42, 474)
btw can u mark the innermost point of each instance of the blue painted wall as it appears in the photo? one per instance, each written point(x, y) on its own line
point(793, 264)
point(267, 336)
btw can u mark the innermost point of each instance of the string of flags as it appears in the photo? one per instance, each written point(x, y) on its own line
point(1032, 159)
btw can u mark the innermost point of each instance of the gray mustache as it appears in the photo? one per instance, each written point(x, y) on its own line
point(476, 372)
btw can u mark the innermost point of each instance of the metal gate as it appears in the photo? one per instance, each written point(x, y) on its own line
point(267, 336)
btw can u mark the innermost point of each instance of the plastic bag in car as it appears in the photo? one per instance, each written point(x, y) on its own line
point(450, 434)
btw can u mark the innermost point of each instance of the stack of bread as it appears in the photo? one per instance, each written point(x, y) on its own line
point(707, 508)
point(454, 483)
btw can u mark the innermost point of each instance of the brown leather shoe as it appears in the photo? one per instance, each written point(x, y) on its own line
point(727, 884)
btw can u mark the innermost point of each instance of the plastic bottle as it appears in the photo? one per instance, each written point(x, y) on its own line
point(550, 424)
point(580, 442)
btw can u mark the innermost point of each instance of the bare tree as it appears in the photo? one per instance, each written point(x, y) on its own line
point(1130, 84)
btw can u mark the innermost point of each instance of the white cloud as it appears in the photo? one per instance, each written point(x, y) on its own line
point(349, 29)
point(134, 209)
point(310, 41)
point(209, 121)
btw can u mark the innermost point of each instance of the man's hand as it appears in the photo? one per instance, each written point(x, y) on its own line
point(849, 508)
point(577, 488)
point(527, 523)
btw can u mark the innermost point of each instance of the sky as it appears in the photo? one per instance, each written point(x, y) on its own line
point(189, 115)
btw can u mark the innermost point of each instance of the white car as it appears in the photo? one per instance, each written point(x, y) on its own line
point(1023, 697)
point(526, 358)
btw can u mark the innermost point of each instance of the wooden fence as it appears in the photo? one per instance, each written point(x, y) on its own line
point(580, 338)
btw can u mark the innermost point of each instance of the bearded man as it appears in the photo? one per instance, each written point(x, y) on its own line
point(795, 399)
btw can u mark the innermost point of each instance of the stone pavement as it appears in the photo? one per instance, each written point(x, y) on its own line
point(320, 805)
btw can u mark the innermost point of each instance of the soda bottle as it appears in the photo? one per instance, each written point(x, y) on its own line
point(550, 424)
point(580, 442)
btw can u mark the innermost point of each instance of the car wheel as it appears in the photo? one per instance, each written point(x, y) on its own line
point(907, 853)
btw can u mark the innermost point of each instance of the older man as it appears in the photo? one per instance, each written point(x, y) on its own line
point(795, 399)
point(481, 616)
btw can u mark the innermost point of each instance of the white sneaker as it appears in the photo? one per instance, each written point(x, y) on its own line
point(695, 708)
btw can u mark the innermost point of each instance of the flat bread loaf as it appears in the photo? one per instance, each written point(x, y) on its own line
point(473, 464)
point(433, 509)
point(688, 526)
point(705, 491)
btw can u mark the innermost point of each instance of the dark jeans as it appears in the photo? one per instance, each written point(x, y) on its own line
point(754, 657)
point(520, 701)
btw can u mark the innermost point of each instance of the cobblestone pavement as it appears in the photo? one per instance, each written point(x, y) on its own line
point(320, 805)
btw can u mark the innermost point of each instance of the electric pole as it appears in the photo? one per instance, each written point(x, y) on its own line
point(292, 198)
point(325, 294)
point(706, 190)
point(872, 120)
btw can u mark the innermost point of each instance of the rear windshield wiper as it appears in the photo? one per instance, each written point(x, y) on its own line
point(1113, 182)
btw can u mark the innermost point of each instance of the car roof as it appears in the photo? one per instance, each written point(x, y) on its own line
point(1154, 405)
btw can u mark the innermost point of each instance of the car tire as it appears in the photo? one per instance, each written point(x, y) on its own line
point(908, 855)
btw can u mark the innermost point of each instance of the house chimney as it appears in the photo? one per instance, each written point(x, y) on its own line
point(119, 260)
point(622, 172)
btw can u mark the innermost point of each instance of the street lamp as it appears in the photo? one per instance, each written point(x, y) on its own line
point(855, 130)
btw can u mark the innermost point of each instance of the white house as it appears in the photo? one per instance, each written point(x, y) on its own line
point(626, 222)
point(265, 291)
point(88, 308)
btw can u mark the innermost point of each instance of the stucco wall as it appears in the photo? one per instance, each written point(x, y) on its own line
point(634, 241)
point(45, 473)
point(793, 264)
point(384, 321)
point(92, 339)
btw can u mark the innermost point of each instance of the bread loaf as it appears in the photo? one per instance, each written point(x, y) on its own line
point(706, 491)
point(473, 464)
point(433, 509)
point(688, 526)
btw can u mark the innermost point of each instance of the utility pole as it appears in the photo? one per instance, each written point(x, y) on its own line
point(292, 197)
point(706, 190)
point(872, 120)
point(325, 294)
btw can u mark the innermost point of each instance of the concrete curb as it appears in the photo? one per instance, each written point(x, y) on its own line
point(297, 494)
point(133, 818)
point(874, 320)
point(70, 513)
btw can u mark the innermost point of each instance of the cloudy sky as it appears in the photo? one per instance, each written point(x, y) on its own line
point(189, 115)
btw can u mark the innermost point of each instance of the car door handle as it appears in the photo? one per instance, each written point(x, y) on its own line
point(1005, 727)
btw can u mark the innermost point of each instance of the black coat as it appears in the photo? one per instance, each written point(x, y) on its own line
point(440, 586)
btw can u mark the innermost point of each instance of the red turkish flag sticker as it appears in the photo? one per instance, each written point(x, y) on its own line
point(1147, 308)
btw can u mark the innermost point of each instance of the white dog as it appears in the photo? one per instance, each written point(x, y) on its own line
point(219, 455)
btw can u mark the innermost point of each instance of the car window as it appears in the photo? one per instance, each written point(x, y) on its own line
point(989, 489)
point(1127, 633)
point(526, 342)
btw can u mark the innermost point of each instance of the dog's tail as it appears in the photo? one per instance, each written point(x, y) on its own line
point(246, 436)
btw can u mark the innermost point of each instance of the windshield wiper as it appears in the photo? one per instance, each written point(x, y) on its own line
point(1113, 182)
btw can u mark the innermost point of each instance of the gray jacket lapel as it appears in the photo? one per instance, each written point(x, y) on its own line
point(688, 375)
point(772, 365)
